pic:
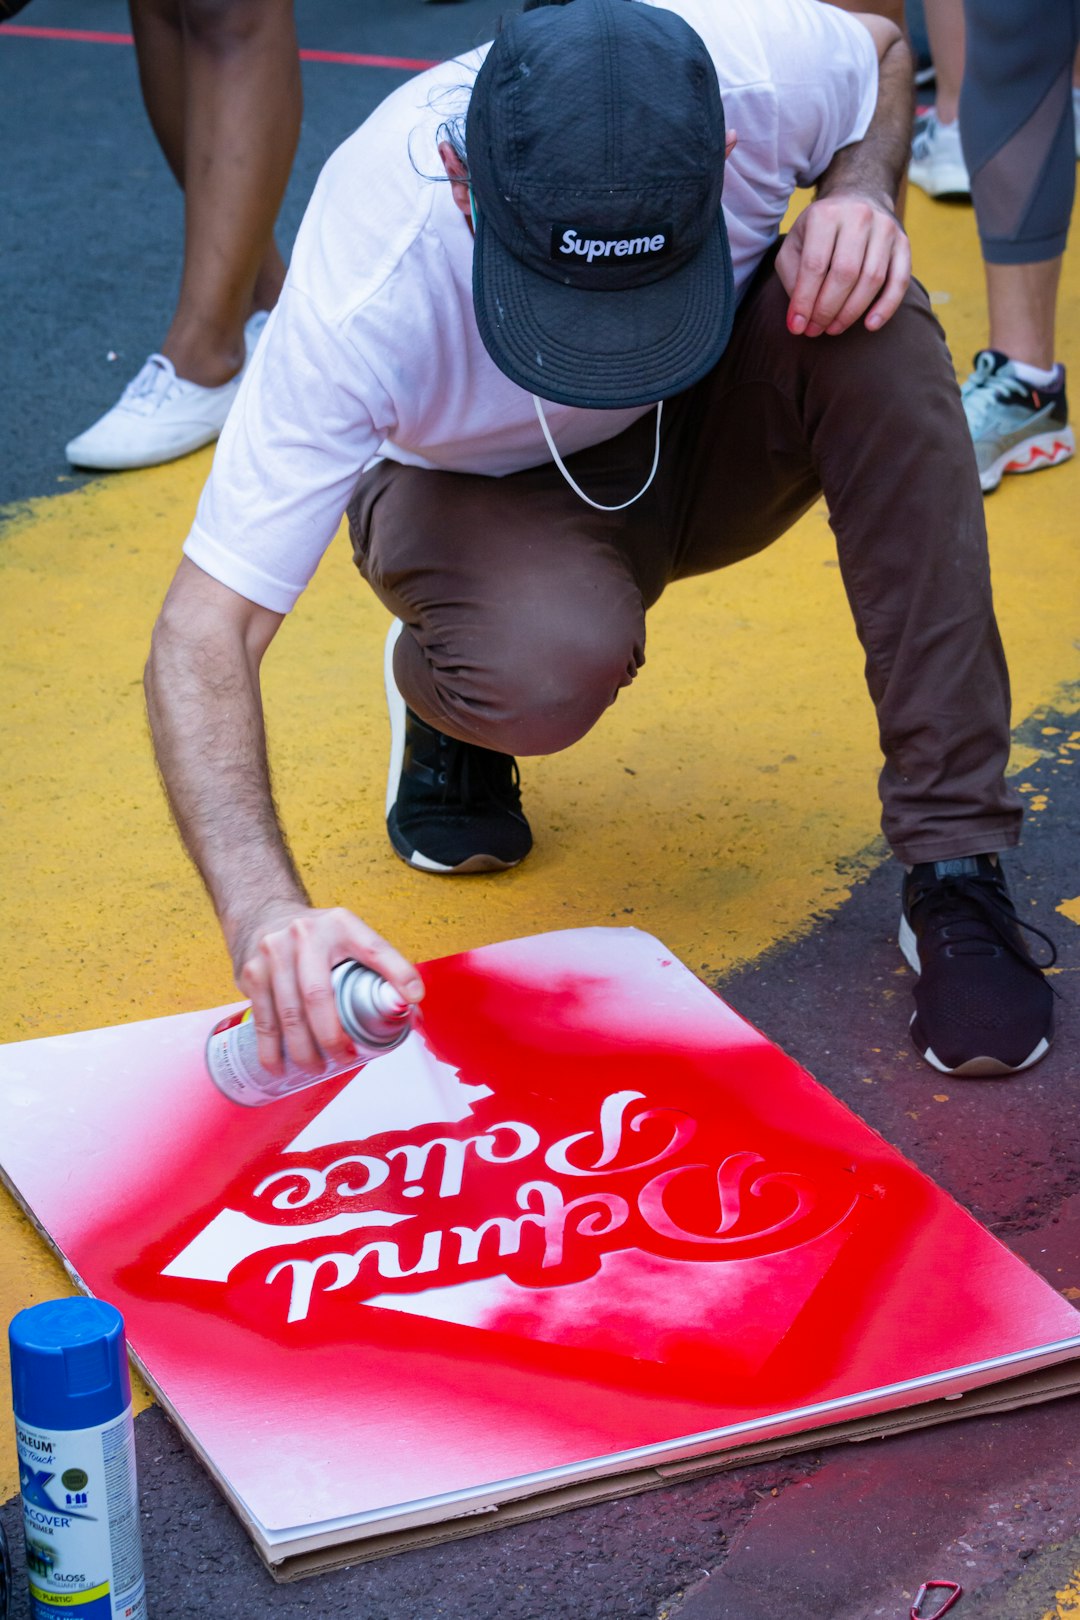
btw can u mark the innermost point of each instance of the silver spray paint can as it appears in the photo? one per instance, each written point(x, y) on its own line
point(373, 1016)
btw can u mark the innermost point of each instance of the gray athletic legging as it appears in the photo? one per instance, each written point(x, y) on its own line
point(1016, 124)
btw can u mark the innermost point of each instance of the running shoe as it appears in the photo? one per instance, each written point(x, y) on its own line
point(982, 1005)
point(937, 160)
point(451, 807)
point(1015, 427)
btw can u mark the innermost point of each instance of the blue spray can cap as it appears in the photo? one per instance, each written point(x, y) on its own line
point(68, 1364)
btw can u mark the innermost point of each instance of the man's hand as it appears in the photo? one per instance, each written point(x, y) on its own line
point(845, 256)
point(282, 962)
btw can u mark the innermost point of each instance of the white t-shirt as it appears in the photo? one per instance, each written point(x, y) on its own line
point(373, 347)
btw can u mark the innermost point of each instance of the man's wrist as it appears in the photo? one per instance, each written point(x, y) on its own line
point(242, 925)
point(879, 196)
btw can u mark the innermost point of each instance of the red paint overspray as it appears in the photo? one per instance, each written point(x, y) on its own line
point(592, 1210)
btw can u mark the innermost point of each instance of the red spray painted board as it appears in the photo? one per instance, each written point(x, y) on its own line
point(587, 1223)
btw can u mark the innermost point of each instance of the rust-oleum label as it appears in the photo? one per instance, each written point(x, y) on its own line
point(221, 1061)
point(81, 1521)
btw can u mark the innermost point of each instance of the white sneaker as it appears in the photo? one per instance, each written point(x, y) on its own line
point(160, 416)
point(253, 330)
point(937, 160)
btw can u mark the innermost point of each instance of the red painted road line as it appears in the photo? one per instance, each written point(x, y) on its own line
point(354, 59)
point(84, 36)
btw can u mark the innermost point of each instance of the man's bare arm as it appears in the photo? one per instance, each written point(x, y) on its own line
point(847, 255)
point(876, 165)
point(205, 708)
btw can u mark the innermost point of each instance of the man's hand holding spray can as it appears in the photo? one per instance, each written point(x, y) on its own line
point(372, 1013)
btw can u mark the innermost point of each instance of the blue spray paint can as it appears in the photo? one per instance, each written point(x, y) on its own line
point(76, 1444)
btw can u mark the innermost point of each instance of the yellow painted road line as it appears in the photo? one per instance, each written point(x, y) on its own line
point(1067, 1606)
point(722, 804)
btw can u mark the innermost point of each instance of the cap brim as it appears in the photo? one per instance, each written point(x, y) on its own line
point(604, 349)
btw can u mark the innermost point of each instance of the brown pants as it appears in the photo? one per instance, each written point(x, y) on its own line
point(525, 608)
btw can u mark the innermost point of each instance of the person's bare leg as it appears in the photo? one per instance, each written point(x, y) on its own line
point(159, 47)
point(945, 27)
point(159, 51)
point(221, 81)
point(1023, 304)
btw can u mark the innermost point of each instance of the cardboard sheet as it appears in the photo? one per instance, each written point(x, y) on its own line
point(586, 1226)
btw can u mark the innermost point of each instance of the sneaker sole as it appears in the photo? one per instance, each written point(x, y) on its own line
point(1042, 450)
point(981, 1068)
point(976, 1068)
point(949, 180)
point(423, 863)
point(909, 945)
point(395, 704)
point(127, 461)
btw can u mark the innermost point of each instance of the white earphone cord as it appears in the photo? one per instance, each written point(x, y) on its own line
point(576, 487)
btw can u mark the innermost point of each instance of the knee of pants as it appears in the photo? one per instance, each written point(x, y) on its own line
point(539, 700)
point(864, 364)
point(911, 333)
point(891, 373)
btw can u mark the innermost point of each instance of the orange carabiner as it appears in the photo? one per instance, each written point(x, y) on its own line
point(954, 1590)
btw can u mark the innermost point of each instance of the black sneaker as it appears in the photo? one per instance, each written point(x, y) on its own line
point(451, 807)
point(982, 1006)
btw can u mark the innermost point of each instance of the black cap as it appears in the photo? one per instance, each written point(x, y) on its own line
point(602, 271)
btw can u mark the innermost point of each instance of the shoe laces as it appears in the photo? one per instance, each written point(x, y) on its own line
point(473, 776)
point(151, 386)
point(922, 145)
point(978, 913)
point(989, 385)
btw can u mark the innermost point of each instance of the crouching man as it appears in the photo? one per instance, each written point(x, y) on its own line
point(585, 374)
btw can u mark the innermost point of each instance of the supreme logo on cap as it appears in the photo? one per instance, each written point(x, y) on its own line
point(572, 244)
